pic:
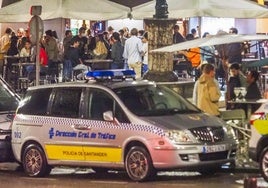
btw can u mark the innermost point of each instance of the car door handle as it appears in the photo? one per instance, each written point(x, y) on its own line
point(81, 127)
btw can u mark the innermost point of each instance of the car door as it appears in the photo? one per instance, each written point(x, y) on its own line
point(102, 140)
point(65, 141)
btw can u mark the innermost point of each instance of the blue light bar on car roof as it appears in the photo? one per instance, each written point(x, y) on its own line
point(110, 74)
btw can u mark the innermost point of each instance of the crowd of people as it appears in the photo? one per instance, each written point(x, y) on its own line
point(129, 49)
point(209, 65)
point(120, 47)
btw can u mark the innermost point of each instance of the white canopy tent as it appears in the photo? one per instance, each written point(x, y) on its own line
point(75, 9)
point(211, 41)
point(204, 8)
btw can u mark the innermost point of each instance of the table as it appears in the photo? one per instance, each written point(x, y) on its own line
point(248, 104)
point(98, 64)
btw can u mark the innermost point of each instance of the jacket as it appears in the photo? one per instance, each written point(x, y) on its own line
point(208, 95)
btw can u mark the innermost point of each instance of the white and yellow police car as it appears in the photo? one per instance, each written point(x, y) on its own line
point(137, 126)
point(258, 143)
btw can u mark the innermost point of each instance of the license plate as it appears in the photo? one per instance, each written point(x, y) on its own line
point(215, 148)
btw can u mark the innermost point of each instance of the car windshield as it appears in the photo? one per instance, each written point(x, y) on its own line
point(8, 100)
point(154, 100)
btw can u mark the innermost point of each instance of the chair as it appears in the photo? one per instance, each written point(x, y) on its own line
point(236, 120)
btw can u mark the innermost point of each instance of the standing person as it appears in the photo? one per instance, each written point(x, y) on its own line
point(237, 79)
point(12, 51)
point(100, 51)
point(110, 30)
point(208, 52)
point(117, 52)
point(4, 46)
point(132, 52)
point(234, 50)
point(107, 41)
point(253, 91)
point(52, 50)
point(26, 52)
point(20, 35)
point(67, 74)
point(121, 32)
point(208, 92)
point(194, 33)
point(144, 52)
point(177, 37)
point(67, 42)
point(82, 39)
point(76, 63)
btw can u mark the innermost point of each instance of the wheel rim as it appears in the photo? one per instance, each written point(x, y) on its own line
point(33, 162)
point(138, 165)
point(265, 164)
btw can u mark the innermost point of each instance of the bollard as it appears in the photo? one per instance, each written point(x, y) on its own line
point(250, 182)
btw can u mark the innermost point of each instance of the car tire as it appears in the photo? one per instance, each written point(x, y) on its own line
point(138, 164)
point(34, 161)
point(264, 163)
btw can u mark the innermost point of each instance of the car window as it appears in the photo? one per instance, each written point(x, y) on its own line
point(100, 102)
point(35, 102)
point(153, 100)
point(8, 101)
point(66, 102)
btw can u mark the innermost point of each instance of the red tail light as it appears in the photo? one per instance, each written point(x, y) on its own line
point(255, 116)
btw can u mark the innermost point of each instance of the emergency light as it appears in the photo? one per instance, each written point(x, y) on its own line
point(116, 74)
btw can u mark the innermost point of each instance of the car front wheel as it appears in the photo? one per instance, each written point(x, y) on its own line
point(138, 164)
point(264, 164)
point(34, 161)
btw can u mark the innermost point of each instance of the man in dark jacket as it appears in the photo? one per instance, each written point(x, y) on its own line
point(253, 91)
point(117, 52)
point(177, 37)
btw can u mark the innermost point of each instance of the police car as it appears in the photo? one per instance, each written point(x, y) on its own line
point(9, 101)
point(137, 126)
point(258, 143)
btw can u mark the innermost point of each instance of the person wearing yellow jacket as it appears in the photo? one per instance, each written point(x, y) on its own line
point(208, 91)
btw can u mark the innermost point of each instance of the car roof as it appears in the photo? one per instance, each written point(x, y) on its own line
point(105, 84)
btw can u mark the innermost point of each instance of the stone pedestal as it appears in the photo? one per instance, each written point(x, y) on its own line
point(160, 64)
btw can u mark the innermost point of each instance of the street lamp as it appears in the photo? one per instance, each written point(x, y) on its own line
point(161, 9)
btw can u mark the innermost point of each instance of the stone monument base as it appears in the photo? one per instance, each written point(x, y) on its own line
point(167, 76)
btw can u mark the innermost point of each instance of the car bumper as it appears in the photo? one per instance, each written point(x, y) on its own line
point(192, 158)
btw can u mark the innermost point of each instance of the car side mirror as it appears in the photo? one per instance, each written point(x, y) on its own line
point(108, 116)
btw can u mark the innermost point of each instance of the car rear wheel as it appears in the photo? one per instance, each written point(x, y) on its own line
point(264, 164)
point(138, 164)
point(34, 161)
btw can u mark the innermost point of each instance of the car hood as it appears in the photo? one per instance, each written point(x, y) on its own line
point(184, 121)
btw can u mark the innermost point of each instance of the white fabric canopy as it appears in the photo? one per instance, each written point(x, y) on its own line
point(204, 8)
point(210, 41)
point(76, 9)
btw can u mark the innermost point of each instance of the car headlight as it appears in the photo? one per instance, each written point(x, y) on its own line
point(179, 136)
